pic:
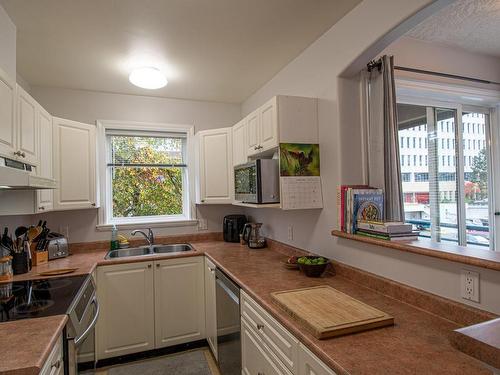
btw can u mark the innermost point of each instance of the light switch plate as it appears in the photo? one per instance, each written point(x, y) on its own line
point(469, 285)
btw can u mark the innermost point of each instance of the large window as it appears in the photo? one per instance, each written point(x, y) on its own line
point(448, 198)
point(146, 176)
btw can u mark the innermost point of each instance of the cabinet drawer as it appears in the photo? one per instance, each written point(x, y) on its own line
point(272, 333)
point(256, 356)
point(312, 365)
point(54, 364)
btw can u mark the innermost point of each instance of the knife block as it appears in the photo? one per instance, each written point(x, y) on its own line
point(38, 257)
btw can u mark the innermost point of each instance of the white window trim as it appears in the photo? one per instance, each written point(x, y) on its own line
point(189, 219)
point(426, 93)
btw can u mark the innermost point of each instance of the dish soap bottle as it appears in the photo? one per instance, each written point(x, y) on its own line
point(114, 244)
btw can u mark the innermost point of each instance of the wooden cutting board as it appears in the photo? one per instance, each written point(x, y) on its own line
point(326, 312)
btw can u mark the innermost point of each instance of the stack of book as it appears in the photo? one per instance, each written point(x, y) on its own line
point(358, 202)
point(392, 231)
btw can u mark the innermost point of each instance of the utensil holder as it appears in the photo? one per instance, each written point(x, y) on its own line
point(38, 257)
point(19, 263)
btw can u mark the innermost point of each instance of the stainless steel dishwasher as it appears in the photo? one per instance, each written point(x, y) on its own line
point(228, 324)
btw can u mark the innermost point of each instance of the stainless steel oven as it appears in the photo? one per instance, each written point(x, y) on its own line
point(79, 333)
point(227, 295)
point(257, 181)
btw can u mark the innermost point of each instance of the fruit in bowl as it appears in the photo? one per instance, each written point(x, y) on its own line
point(313, 266)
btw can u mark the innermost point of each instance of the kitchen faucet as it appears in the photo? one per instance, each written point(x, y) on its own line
point(149, 237)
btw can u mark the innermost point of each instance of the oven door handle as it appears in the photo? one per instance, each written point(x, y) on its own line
point(92, 324)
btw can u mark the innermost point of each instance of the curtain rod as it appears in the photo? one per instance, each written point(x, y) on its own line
point(378, 64)
point(445, 75)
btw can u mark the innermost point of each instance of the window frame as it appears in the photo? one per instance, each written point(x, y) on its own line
point(105, 219)
point(443, 95)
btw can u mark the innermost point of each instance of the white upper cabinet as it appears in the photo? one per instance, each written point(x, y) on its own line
point(45, 197)
point(268, 126)
point(240, 143)
point(27, 128)
point(283, 119)
point(252, 132)
point(74, 164)
point(7, 109)
point(215, 172)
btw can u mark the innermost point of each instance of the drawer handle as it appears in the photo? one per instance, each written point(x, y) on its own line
point(19, 153)
point(260, 327)
point(260, 373)
point(149, 265)
point(41, 208)
point(56, 364)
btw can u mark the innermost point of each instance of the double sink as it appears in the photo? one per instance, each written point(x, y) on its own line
point(148, 250)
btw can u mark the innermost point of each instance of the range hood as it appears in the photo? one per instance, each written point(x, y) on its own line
point(20, 179)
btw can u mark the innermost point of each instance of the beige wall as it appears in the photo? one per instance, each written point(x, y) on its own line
point(342, 51)
point(89, 106)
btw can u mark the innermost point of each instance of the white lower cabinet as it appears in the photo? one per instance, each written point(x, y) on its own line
point(149, 305)
point(179, 301)
point(268, 348)
point(210, 307)
point(256, 358)
point(54, 365)
point(126, 322)
point(309, 364)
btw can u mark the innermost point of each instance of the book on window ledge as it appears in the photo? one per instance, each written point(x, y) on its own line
point(410, 236)
point(355, 201)
point(389, 227)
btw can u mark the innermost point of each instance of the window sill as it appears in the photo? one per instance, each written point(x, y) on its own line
point(473, 256)
point(147, 224)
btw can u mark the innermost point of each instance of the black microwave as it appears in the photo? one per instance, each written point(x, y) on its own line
point(257, 181)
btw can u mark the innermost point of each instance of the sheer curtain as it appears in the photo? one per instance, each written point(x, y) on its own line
point(381, 133)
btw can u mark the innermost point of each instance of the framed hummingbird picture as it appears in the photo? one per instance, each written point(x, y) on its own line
point(299, 159)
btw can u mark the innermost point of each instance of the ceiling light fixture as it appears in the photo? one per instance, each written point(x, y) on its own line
point(148, 78)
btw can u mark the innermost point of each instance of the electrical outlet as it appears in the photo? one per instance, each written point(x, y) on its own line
point(290, 232)
point(202, 224)
point(469, 284)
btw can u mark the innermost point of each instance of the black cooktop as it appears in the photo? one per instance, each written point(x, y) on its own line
point(38, 298)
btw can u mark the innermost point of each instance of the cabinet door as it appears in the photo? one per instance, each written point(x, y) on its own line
point(255, 357)
point(179, 301)
point(216, 166)
point(7, 123)
point(45, 197)
point(27, 127)
point(74, 164)
point(268, 125)
point(240, 143)
point(309, 364)
point(253, 133)
point(126, 323)
point(210, 307)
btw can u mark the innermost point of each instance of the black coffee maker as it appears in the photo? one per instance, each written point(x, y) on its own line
point(233, 227)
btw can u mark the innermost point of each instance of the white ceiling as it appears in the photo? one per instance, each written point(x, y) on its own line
point(217, 50)
point(473, 25)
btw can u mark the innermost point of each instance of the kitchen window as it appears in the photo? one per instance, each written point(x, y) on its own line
point(144, 174)
point(450, 201)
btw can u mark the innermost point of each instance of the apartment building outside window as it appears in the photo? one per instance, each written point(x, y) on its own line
point(448, 201)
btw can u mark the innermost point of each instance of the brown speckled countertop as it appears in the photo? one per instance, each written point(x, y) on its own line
point(481, 341)
point(417, 343)
point(26, 344)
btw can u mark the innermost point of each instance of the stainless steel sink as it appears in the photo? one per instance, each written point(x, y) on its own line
point(172, 248)
point(148, 250)
point(131, 252)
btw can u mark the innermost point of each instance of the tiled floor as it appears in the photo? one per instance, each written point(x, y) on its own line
point(177, 363)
